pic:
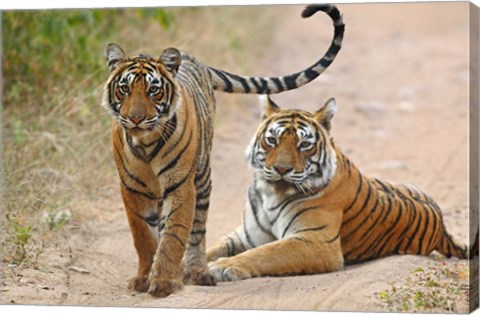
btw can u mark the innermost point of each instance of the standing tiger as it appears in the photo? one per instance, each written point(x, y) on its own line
point(310, 209)
point(163, 110)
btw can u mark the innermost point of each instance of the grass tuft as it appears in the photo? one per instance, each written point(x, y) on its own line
point(437, 288)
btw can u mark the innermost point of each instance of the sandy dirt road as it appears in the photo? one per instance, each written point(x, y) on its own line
point(401, 84)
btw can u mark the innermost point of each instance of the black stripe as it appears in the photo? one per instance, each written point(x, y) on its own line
point(425, 225)
point(144, 194)
point(383, 215)
point(333, 239)
point(133, 148)
point(384, 187)
point(302, 239)
point(202, 207)
point(255, 213)
point(285, 202)
point(278, 84)
point(289, 200)
point(247, 236)
point(312, 229)
point(228, 85)
point(175, 236)
point(152, 219)
point(262, 87)
point(367, 199)
point(411, 218)
point(175, 186)
point(434, 229)
point(360, 178)
point(392, 229)
point(417, 226)
point(205, 192)
point(243, 81)
point(198, 176)
point(360, 225)
point(185, 124)
point(311, 74)
point(377, 240)
point(183, 226)
point(164, 138)
point(198, 232)
point(174, 161)
point(133, 177)
point(296, 216)
point(291, 81)
point(230, 247)
point(373, 226)
point(349, 166)
point(449, 245)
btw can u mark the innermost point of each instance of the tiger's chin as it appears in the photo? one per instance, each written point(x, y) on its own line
point(138, 131)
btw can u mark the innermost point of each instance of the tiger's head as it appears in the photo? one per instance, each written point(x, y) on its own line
point(293, 147)
point(141, 91)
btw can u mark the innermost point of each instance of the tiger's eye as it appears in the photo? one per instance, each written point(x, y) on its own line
point(124, 89)
point(271, 140)
point(153, 89)
point(304, 145)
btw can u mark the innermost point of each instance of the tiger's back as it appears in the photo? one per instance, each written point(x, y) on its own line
point(386, 219)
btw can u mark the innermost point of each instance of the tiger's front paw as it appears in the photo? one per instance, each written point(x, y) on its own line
point(164, 287)
point(198, 277)
point(225, 269)
point(139, 284)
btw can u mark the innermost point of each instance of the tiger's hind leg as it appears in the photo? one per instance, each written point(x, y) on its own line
point(196, 271)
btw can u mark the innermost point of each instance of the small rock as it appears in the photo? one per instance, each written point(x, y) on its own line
point(44, 287)
point(405, 107)
point(78, 269)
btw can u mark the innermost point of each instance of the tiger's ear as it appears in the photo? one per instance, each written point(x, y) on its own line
point(171, 58)
point(325, 114)
point(268, 106)
point(114, 54)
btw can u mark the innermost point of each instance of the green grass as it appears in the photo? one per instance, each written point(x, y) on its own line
point(57, 162)
point(437, 288)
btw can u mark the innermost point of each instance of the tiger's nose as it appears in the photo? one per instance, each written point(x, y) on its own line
point(282, 170)
point(136, 119)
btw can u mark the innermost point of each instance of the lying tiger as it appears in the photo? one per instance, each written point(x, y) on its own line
point(310, 210)
point(163, 110)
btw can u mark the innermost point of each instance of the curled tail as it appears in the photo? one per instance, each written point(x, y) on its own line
point(449, 247)
point(232, 83)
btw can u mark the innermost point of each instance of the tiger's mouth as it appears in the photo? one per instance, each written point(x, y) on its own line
point(146, 124)
point(271, 175)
